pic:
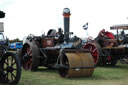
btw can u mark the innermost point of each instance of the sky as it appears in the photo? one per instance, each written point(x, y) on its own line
point(24, 17)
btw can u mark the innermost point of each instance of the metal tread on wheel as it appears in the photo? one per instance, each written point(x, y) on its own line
point(75, 64)
point(29, 56)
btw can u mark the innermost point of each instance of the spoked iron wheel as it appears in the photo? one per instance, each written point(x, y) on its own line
point(94, 51)
point(10, 68)
point(27, 58)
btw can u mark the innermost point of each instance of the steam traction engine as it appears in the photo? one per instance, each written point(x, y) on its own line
point(110, 48)
point(57, 50)
point(10, 68)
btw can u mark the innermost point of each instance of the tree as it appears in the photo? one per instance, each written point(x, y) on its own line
point(15, 40)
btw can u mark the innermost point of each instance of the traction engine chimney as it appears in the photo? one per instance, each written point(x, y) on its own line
point(66, 14)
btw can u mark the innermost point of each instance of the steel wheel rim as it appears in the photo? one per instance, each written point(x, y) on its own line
point(10, 68)
point(27, 58)
point(63, 71)
point(94, 52)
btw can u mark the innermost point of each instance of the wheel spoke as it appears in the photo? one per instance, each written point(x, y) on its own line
point(4, 69)
point(29, 52)
point(11, 60)
point(7, 62)
point(94, 50)
point(95, 55)
point(90, 48)
point(13, 63)
point(14, 68)
point(7, 76)
point(27, 64)
point(13, 76)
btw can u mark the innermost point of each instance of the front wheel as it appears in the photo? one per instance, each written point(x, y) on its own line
point(10, 68)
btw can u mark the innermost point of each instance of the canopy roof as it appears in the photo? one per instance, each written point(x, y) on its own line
point(119, 26)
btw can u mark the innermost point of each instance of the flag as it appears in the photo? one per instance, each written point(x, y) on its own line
point(85, 26)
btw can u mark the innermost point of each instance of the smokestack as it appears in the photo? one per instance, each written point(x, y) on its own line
point(66, 14)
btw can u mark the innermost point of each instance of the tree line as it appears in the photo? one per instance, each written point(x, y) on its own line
point(15, 40)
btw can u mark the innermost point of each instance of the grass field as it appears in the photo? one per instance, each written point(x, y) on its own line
point(117, 75)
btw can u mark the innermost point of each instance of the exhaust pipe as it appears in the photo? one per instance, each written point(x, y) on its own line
point(66, 14)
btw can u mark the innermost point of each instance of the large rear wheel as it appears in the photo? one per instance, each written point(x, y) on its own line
point(95, 52)
point(29, 58)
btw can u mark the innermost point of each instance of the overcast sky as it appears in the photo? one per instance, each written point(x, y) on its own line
point(25, 17)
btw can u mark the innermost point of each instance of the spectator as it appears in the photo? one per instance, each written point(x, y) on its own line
point(60, 36)
point(102, 33)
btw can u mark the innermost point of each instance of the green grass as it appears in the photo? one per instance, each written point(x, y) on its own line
point(117, 75)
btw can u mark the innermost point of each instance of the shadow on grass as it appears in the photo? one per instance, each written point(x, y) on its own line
point(47, 70)
point(93, 77)
point(118, 66)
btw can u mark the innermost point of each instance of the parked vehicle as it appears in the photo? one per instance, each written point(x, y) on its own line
point(16, 45)
point(57, 50)
point(108, 49)
point(10, 67)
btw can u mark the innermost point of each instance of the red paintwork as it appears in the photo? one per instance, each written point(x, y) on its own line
point(94, 51)
point(110, 35)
